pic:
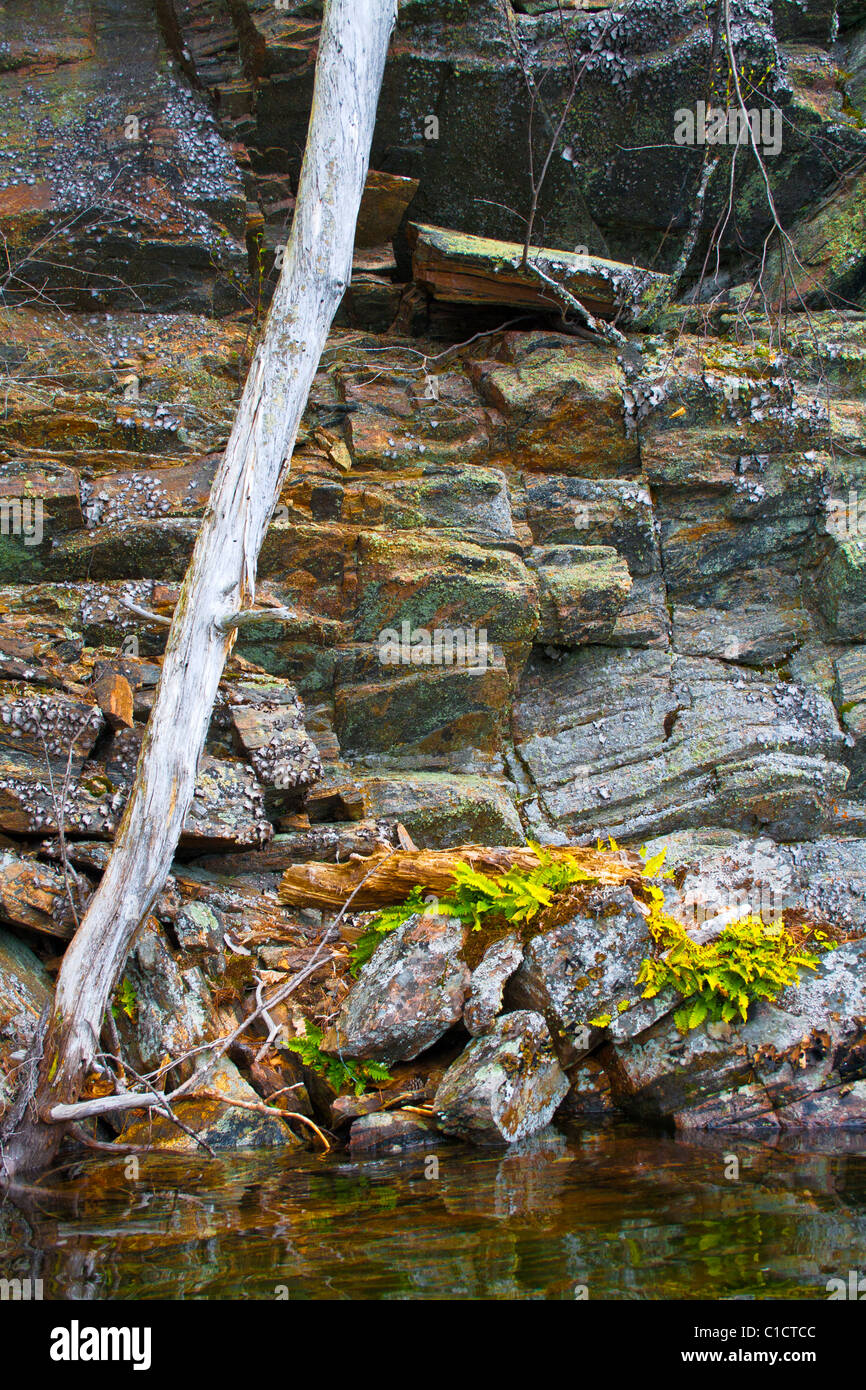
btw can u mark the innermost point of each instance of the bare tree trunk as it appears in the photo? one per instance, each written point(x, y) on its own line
point(220, 581)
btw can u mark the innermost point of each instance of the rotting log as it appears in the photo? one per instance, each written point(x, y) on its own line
point(220, 581)
point(388, 876)
point(463, 269)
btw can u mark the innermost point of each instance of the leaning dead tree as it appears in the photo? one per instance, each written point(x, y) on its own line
point(219, 588)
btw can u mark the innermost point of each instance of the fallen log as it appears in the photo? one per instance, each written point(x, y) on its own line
point(388, 876)
point(463, 269)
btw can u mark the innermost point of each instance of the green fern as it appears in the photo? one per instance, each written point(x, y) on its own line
point(517, 896)
point(748, 961)
point(386, 920)
point(125, 1001)
point(340, 1074)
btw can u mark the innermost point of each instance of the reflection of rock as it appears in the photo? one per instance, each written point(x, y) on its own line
point(528, 1182)
point(505, 1086)
point(383, 1134)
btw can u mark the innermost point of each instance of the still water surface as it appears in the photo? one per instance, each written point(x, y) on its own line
point(620, 1212)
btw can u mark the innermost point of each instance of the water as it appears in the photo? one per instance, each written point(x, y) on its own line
point(611, 1213)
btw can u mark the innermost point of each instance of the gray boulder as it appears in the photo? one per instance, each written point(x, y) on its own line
point(505, 1086)
point(408, 995)
point(584, 971)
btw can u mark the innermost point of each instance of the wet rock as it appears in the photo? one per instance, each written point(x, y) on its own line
point(25, 990)
point(505, 1086)
point(378, 1135)
point(488, 981)
point(793, 1063)
point(581, 975)
point(408, 995)
point(214, 1119)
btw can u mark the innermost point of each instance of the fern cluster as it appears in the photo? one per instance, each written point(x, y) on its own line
point(516, 896)
point(341, 1075)
point(125, 1001)
point(386, 920)
point(748, 961)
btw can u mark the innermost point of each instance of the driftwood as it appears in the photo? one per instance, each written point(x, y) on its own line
point(220, 582)
point(464, 269)
point(392, 874)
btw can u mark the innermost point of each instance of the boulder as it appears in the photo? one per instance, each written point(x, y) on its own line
point(505, 1086)
point(214, 1120)
point(800, 1062)
point(487, 984)
point(408, 994)
point(581, 974)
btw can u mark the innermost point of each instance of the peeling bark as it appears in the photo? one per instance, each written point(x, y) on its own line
point(220, 582)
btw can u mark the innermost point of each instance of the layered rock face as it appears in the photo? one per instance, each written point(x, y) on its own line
point(454, 111)
point(540, 586)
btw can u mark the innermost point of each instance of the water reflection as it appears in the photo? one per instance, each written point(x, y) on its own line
point(620, 1211)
